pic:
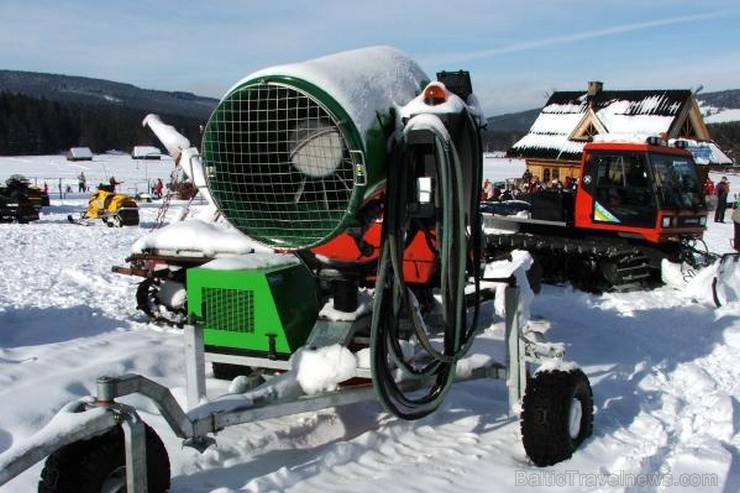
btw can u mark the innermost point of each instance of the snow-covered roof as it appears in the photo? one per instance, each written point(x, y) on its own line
point(637, 113)
point(80, 153)
point(145, 152)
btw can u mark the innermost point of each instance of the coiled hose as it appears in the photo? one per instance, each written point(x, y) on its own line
point(426, 379)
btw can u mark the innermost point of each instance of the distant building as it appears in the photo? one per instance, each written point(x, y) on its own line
point(79, 154)
point(146, 152)
point(553, 147)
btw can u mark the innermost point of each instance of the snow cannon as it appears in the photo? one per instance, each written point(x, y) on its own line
point(294, 154)
point(368, 172)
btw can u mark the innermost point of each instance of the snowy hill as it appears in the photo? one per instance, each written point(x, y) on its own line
point(89, 91)
point(663, 365)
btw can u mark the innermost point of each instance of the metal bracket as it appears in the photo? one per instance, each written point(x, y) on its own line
point(359, 168)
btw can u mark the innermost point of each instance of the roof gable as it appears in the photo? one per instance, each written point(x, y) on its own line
point(588, 127)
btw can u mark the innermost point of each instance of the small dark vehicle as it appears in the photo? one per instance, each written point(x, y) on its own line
point(19, 202)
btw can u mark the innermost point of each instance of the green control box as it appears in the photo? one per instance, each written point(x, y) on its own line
point(259, 311)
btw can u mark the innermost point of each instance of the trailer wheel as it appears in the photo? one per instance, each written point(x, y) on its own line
point(99, 465)
point(557, 415)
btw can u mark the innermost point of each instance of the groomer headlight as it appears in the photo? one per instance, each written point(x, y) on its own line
point(667, 221)
point(435, 93)
point(703, 221)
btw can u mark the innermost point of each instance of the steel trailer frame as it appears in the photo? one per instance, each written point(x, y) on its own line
point(96, 415)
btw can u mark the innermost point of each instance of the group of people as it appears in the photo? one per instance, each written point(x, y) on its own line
point(82, 186)
point(528, 184)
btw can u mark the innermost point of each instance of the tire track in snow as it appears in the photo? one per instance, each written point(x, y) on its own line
point(692, 412)
point(437, 450)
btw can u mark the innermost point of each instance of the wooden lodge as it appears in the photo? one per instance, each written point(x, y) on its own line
point(553, 147)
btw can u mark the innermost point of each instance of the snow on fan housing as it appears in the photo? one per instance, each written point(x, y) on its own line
point(292, 152)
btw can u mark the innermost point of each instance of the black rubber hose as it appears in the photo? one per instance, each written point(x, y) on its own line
point(394, 300)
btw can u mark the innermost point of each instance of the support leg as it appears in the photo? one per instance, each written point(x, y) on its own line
point(134, 433)
point(515, 361)
point(195, 365)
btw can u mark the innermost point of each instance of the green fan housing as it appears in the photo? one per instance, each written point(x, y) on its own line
point(286, 165)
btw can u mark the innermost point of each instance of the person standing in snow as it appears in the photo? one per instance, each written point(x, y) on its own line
point(158, 187)
point(722, 189)
point(81, 182)
point(709, 194)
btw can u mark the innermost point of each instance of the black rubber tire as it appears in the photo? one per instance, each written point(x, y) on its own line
point(84, 466)
point(546, 415)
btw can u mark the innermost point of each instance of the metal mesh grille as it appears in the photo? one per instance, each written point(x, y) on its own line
point(278, 166)
point(230, 310)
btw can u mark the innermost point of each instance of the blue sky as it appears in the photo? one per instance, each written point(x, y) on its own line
point(517, 52)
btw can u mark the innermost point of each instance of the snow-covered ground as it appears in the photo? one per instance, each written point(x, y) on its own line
point(663, 364)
